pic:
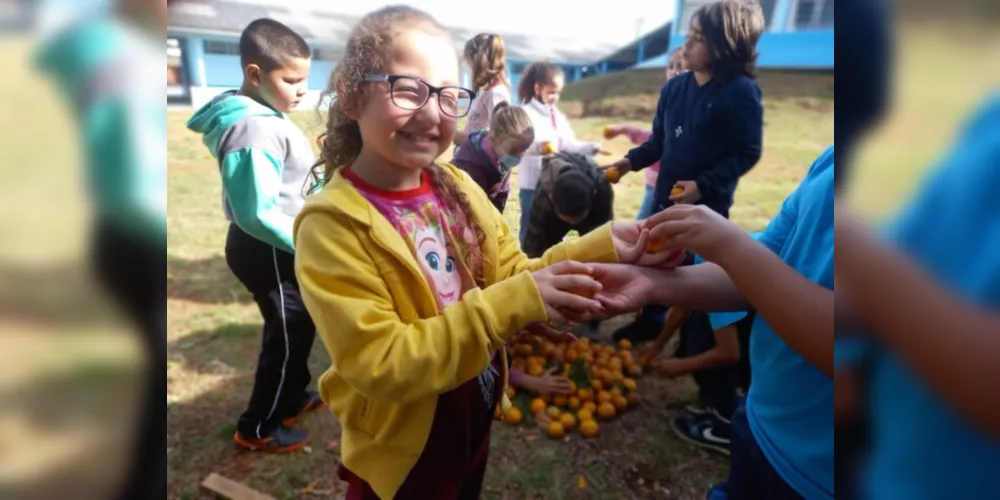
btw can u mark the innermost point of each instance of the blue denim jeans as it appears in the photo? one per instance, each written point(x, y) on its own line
point(527, 197)
point(648, 203)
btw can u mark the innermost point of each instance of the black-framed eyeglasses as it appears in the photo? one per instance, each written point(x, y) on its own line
point(411, 93)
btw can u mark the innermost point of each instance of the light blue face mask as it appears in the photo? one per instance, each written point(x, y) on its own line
point(508, 160)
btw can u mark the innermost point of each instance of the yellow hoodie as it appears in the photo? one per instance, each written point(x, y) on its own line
point(393, 352)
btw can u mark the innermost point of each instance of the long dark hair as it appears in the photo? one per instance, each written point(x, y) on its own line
point(541, 72)
point(731, 29)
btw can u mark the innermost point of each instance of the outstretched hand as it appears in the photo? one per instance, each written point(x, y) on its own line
point(624, 288)
point(697, 229)
point(636, 245)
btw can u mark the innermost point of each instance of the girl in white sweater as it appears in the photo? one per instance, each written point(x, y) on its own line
point(538, 92)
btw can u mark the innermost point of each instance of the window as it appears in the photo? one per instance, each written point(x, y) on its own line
point(222, 48)
point(812, 14)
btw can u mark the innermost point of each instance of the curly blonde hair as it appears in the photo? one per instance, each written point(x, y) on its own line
point(368, 51)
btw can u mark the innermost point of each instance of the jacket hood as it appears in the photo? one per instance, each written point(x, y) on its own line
point(212, 119)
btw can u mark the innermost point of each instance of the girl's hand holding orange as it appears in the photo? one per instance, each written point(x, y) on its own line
point(561, 285)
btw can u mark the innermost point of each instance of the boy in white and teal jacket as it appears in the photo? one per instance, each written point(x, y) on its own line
point(264, 161)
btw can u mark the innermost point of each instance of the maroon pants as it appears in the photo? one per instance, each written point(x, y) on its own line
point(453, 463)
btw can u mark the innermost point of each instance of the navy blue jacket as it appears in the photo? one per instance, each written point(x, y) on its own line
point(710, 134)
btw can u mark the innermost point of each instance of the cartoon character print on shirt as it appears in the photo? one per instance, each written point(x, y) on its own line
point(430, 229)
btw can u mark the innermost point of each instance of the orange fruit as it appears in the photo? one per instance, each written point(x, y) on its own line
point(513, 416)
point(560, 400)
point(511, 392)
point(603, 397)
point(547, 148)
point(568, 421)
point(596, 384)
point(615, 392)
point(586, 394)
point(606, 411)
point(553, 412)
point(620, 402)
point(655, 245)
point(624, 344)
point(535, 370)
point(584, 414)
point(676, 190)
point(571, 355)
point(612, 175)
point(615, 364)
point(589, 406)
point(537, 405)
point(589, 428)
point(629, 384)
point(572, 386)
point(556, 429)
point(574, 402)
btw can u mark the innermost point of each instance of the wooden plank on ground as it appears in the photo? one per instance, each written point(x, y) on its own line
point(232, 490)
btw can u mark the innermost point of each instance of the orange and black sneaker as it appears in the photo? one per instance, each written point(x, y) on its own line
point(282, 440)
point(313, 402)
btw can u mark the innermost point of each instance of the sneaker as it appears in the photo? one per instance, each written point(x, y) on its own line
point(700, 432)
point(313, 402)
point(696, 410)
point(282, 440)
point(643, 329)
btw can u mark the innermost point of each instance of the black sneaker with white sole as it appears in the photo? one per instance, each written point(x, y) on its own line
point(701, 432)
point(696, 410)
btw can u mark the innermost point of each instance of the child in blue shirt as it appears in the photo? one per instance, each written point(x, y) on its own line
point(931, 356)
point(708, 127)
point(782, 437)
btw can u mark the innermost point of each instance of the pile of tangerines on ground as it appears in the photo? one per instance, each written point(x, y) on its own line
point(602, 382)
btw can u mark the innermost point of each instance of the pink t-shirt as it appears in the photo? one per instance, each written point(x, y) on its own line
point(428, 229)
point(482, 107)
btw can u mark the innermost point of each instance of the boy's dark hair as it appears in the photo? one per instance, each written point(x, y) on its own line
point(731, 29)
point(540, 72)
point(572, 194)
point(266, 42)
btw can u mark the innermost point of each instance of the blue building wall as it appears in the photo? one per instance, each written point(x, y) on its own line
point(223, 70)
point(207, 73)
point(781, 47)
point(795, 50)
